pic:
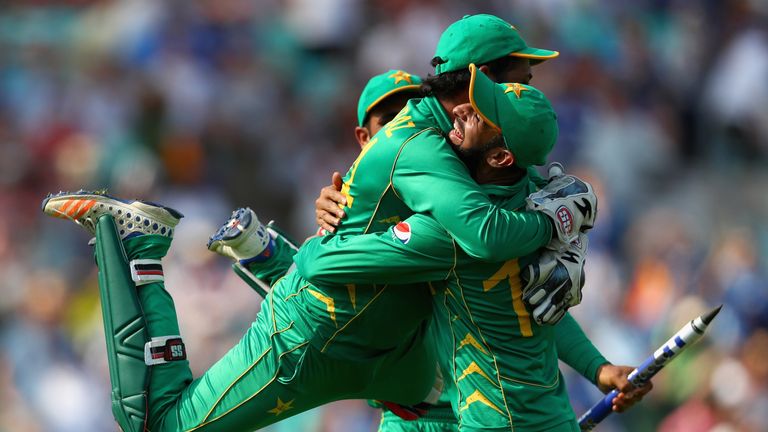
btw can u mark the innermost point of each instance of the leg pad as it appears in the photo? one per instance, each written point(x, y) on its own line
point(124, 327)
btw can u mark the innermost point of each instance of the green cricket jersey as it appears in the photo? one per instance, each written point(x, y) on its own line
point(504, 364)
point(439, 418)
point(311, 344)
point(409, 167)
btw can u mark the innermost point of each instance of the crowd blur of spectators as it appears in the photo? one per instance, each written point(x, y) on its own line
point(208, 105)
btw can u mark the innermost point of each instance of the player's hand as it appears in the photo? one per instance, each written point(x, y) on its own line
point(611, 377)
point(328, 212)
point(569, 202)
point(554, 282)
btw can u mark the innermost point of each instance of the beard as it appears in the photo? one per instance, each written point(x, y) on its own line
point(474, 158)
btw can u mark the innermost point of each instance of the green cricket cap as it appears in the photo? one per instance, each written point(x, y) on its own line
point(383, 86)
point(481, 38)
point(522, 114)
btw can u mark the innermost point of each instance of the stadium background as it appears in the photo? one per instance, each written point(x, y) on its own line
point(209, 105)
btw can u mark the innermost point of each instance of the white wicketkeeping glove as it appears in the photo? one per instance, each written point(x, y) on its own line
point(553, 283)
point(570, 202)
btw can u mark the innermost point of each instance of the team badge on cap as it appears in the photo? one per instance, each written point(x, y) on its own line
point(403, 232)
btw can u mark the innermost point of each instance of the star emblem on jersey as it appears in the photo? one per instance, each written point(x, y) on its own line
point(401, 76)
point(281, 407)
point(517, 88)
point(402, 232)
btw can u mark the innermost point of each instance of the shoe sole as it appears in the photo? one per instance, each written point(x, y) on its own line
point(230, 233)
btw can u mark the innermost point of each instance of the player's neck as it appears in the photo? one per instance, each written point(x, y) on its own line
point(499, 176)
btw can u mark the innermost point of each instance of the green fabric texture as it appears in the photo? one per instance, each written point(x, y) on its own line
point(381, 87)
point(576, 350)
point(481, 38)
point(504, 365)
point(439, 419)
point(276, 371)
point(522, 113)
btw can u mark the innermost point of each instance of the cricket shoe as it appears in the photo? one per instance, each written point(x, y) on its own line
point(131, 217)
point(242, 237)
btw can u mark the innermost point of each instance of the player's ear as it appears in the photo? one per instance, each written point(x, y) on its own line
point(362, 135)
point(499, 157)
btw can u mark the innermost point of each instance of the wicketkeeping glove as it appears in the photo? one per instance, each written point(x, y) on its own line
point(570, 202)
point(554, 283)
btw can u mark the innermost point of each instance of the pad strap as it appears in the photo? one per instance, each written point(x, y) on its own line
point(164, 349)
point(144, 271)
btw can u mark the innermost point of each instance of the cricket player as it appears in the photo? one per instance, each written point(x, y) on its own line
point(485, 38)
point(308, 346)
point(503, 363)
point(382, 98)
point(510, 59)
point(387, 192)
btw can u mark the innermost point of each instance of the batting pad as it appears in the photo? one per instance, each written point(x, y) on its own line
point(124, 327)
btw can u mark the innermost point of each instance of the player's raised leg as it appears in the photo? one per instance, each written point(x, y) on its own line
point(139, 316)
point(271, 374)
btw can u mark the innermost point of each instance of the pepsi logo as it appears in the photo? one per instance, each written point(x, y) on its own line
point(403, 232)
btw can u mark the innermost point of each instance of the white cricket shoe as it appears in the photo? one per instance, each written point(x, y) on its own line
point(131, 217)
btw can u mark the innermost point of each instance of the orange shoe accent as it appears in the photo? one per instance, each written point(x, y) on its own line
point(75, 208)
point(84, 209)
point(61, 211)
point(64, 207)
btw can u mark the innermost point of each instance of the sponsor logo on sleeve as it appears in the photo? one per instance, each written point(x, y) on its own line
point(402, 232)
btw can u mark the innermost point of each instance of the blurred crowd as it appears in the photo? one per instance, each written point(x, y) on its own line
point(207, 105)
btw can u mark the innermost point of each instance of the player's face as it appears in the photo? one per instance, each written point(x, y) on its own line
point(385, 111)
point(518, 71)
point(469, 131)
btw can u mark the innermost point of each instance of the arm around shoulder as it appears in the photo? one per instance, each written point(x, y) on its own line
point(431, 179)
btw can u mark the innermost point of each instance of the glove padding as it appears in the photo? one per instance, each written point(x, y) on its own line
point(554, 283)
point(570, 202)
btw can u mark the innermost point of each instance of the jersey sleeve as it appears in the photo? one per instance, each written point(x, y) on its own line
point(415, 250)
point(431, 179)
point(576, 350)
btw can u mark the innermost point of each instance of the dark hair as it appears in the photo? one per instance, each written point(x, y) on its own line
point(451, 84)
